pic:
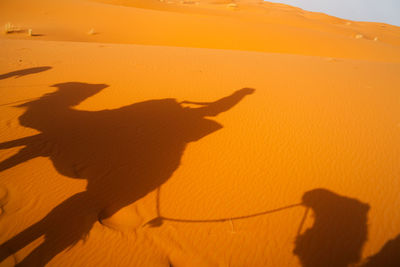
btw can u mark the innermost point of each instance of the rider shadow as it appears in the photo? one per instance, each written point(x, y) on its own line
point(339, 231)
point(123, 153)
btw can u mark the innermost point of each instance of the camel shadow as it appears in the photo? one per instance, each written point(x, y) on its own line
point(388, 256)
point(23, 72)
point(123, 153)
point(339, 231)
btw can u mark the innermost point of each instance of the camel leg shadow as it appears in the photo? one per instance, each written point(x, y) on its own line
point(63, 227)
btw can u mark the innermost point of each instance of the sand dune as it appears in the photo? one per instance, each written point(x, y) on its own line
point(197, 133)
point(256, 27)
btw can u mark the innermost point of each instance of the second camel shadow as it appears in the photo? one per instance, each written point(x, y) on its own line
point(123, 153)
point(338, 233)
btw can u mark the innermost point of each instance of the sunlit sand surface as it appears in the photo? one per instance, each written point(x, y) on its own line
point(197, 133)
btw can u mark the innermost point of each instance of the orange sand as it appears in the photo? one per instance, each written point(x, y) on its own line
point(127, 140)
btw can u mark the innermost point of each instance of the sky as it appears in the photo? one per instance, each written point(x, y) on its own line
point(387, 11)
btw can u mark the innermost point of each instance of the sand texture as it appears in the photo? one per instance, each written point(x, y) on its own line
point(197, 133)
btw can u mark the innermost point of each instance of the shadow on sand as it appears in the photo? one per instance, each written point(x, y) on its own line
point(388, 256)
point(123, 153)
point(339, 231)
point(23, 72)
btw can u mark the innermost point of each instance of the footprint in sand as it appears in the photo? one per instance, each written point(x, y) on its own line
point(126, 219)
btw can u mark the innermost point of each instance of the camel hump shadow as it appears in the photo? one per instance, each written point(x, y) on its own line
point(123, 153)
